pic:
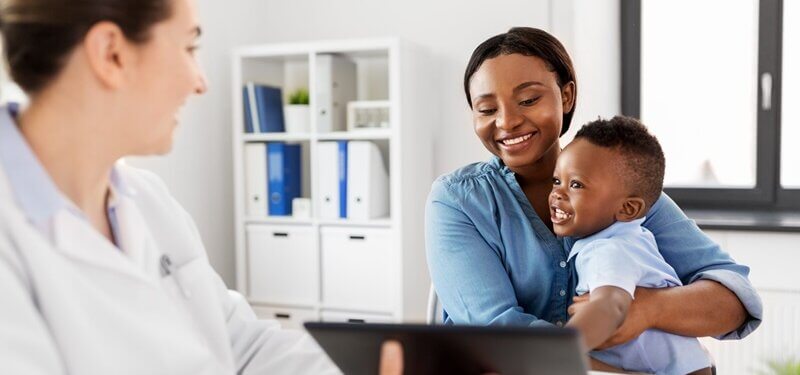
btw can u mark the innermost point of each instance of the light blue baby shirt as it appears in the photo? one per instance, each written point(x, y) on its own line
point(625, 255)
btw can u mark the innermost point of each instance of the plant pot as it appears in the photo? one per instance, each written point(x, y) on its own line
point(297, 118)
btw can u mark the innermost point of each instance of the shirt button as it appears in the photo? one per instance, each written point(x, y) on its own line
point(563, 264)
point(560, 323)
point(562, 293)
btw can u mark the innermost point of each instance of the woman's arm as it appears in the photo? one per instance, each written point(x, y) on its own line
point(695, 310)
point(702, 308)
point(726, 305)
point(469, 276)
point(717, 299)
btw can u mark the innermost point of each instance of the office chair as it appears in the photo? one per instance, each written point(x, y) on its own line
point(434, 314)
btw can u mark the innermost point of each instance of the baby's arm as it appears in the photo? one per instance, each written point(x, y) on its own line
point(602, 315)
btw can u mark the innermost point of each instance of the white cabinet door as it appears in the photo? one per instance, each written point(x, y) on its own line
point(357, 269)
point(287, 317)
point(354, 317)
point(283, 264)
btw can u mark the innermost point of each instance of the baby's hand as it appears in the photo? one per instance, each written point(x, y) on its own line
point(636, 321)
point(577, 304)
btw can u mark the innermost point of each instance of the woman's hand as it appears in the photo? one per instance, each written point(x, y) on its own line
point(638, 319)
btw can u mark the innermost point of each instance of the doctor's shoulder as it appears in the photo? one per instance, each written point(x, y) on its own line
point(141, 181)
point(147, 188)
point(162, 212)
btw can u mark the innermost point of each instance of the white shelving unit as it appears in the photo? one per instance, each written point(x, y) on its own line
point(301, 269)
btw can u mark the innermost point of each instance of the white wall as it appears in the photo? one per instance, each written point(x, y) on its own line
point(590, 30)
point(199, 169)
point(773, 259)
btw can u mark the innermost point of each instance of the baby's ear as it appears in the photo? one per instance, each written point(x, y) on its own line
point(632, 208)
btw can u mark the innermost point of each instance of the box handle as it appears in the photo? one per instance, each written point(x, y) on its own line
point(280, 234)
point(282, 316)
point(356, 321)
point(360, 238)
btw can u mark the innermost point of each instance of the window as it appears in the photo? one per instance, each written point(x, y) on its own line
point(790, 114)
point(705, 77)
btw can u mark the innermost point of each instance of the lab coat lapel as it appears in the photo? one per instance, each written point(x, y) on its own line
point(135, 238)
point(79, 240)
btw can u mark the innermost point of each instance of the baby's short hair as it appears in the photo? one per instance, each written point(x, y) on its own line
point(643, 167)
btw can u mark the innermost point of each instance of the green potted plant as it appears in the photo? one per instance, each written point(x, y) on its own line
point(297, 115)
point(787, 367)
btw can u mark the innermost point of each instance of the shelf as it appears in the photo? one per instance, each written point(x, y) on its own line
point(379, 223)
point(277, 220)
point(269, 137)
point(384, 222)
point(372, 71)
point(281, 305)
point(356, 135)
point(350, 309)
point(768, 221)
point(370, 134)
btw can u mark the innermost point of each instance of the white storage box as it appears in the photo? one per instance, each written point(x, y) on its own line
point(288, 317)
point(354, 317)
point(284, 264)
point(357, 269)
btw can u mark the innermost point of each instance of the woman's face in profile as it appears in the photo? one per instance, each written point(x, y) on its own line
point(518, 107)
point(165, 73)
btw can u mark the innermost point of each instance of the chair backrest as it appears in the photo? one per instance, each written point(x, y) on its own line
point(435, 314)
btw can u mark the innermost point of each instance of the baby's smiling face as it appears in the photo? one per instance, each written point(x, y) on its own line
point(588, 189)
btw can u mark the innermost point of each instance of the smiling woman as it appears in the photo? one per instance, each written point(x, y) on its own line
point(492, 253)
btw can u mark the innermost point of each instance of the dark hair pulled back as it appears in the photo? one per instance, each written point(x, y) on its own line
point(527, 41)
point(38, 35)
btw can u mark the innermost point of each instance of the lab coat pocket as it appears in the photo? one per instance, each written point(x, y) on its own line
point(196, 288)
point(186, 279)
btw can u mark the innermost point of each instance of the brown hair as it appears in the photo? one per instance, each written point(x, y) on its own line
point(38, 35)
point(527, 41)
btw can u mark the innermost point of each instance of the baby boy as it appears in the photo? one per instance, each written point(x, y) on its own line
point(604, 183)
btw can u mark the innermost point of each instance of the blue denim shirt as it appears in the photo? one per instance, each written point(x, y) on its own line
point(493, 261)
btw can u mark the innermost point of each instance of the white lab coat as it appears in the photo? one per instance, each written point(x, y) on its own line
point(81, 306)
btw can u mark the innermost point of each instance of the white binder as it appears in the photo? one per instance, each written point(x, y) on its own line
point(255, 175)
point(367, 182)
point(336, 86)
point(251, 98)
point(328, 197)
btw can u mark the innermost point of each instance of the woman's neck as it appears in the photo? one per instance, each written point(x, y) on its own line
point(536, 181)
point(68, 141)
point(540, 172)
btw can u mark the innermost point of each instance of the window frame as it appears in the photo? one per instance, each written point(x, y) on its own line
point(768, 192)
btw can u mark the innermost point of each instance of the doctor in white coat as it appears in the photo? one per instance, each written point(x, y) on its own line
point(101, 271)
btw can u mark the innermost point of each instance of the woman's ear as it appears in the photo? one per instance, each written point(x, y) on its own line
point(568, 97)
point(632, 208)
point(105, 47)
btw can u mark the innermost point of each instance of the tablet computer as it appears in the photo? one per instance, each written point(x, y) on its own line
point(447, 349)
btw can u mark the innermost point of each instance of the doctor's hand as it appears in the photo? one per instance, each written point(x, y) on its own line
point(638, 319)
point(391, 358)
